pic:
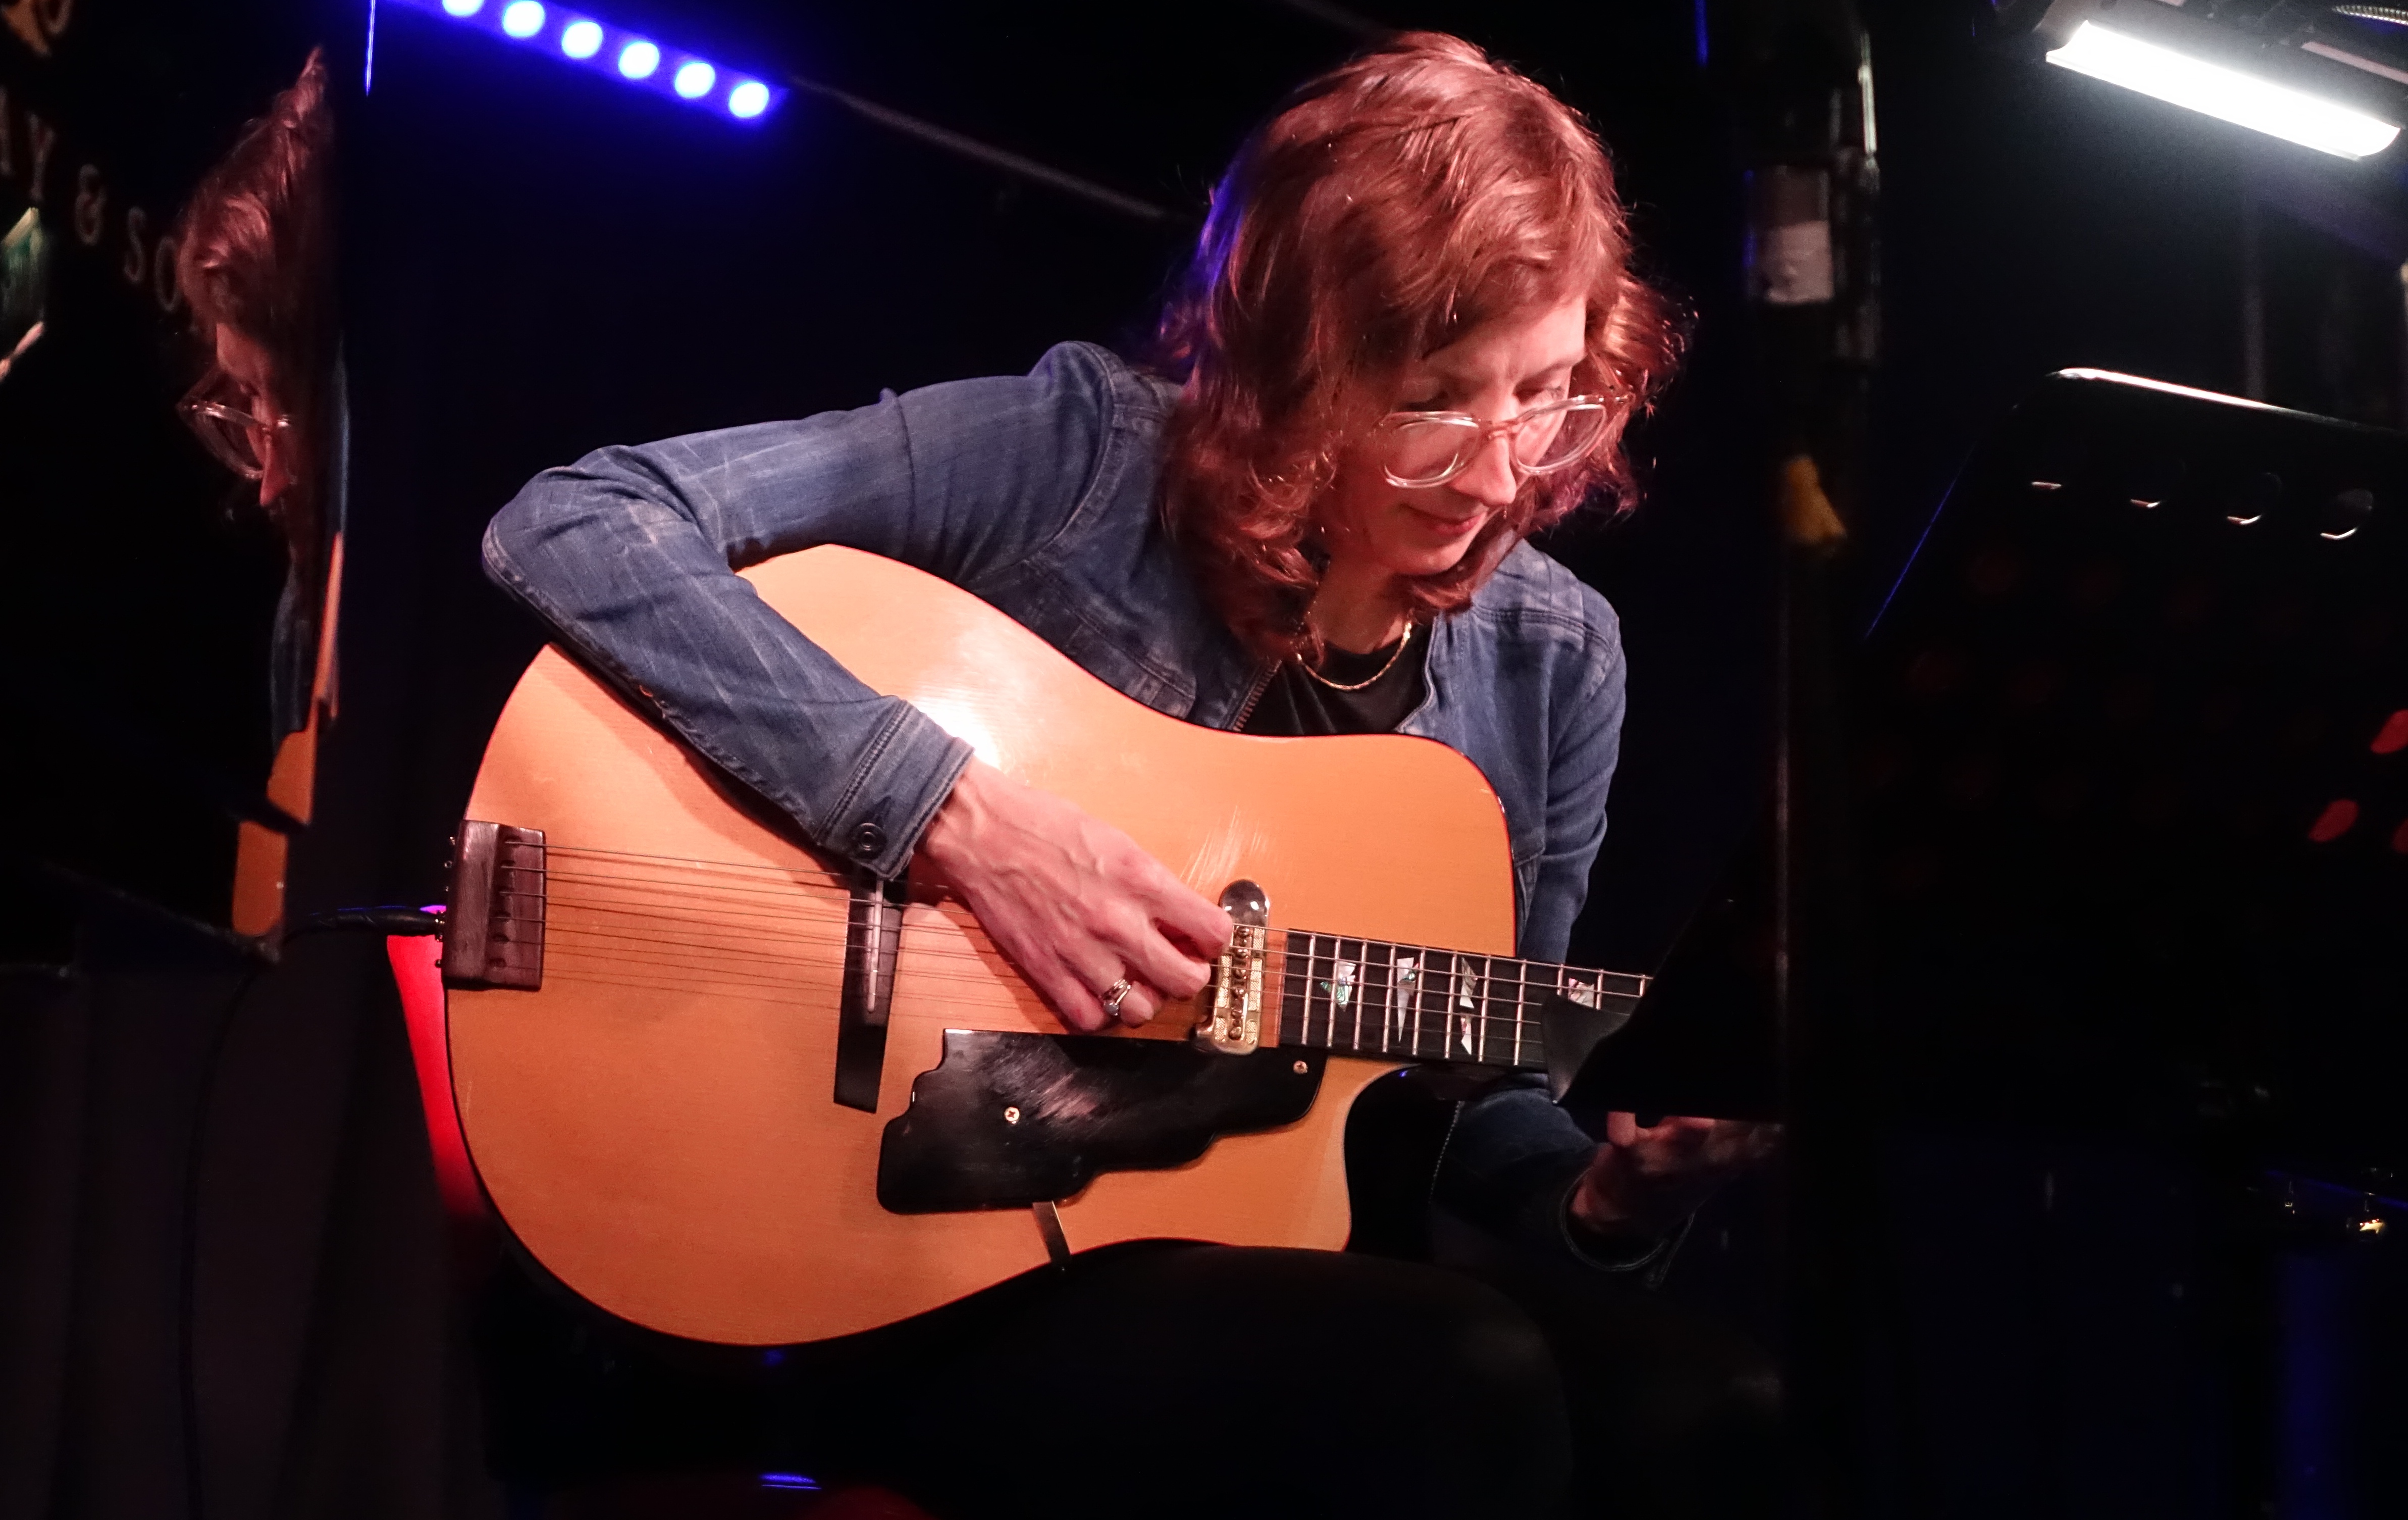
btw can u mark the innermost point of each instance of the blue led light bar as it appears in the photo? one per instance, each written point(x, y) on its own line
point(631, 58)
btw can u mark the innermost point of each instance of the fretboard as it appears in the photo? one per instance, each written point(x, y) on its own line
point(1371, 998)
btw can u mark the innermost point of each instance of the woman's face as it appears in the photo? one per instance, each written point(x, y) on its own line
point(1495, 371)
point(247, 363)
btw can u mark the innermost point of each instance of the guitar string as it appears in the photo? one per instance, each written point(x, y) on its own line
point(1413, 1038)
point(629, 971)
point(835, 886)
point(801, 907)
point(679, 974)
point(799, 893)
point(676, 977)
point(769, 974)
point(744, 939)
point(579, 974)
point(1378, 987)
point(724, 920)
point(711, 954)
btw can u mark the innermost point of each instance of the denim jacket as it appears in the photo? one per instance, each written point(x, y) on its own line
point(1037, 493)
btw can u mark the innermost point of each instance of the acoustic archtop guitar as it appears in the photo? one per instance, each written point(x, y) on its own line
point(721, 1087)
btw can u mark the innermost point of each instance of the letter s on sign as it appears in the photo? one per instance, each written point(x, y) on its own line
point(137, 265)
point(90, 205)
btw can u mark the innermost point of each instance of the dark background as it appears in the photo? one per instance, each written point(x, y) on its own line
point(226, 1287)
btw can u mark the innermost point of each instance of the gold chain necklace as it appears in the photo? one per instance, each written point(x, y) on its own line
point(1371, 680)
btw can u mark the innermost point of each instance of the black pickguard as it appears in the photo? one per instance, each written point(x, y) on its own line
point(1084, 1104)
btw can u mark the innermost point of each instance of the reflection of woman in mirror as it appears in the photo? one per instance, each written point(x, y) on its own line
point(255, 259)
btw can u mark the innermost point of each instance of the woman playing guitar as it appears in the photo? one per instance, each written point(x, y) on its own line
point(1409, 340)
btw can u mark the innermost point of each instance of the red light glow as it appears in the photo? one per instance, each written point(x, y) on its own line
point(2393, 737)
point(2338, 819)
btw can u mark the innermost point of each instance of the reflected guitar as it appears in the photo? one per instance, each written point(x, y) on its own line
point(723, 1087)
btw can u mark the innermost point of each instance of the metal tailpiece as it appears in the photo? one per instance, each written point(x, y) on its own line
point(493, 932)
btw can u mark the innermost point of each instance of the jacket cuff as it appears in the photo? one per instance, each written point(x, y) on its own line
point(1654, 1261)
point(909, 770)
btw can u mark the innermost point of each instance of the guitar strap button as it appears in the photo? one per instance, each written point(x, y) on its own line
point(868, 842)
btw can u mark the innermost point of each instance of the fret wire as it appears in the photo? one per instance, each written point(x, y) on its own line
point(1399, 989)
point(1292, 984)
point(1375, 1003)
point(1446, 1000)
point(1299, 972)
point(1521, 1004)
point(1467, 990)
point(1320, 984)
point(1469, 984)
point(1437, 981)
point(1362, 959)
point(1466, 981)
point(1519, 967)
point(1324, 979)
point(1291, 1033)
point(1489, 983)
point(1319, 949)
point(1337, 957)
point(1369, 996)
point(1336, 953)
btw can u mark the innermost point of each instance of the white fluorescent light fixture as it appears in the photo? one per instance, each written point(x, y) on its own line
point(2223, 92)
point(629, 58)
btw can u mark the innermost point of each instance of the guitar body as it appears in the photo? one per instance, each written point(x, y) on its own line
point(656, 1121)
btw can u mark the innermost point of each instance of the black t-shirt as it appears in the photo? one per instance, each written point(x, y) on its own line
point(1296, 706)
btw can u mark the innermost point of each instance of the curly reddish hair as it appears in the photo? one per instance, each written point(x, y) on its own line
point(255, 252)
point(1391, 206)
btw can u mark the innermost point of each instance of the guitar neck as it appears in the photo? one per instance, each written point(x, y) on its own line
point(1409, 1002)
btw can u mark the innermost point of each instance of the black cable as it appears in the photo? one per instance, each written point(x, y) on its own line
point(385, 918)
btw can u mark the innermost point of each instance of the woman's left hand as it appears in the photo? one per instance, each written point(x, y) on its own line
point(1647, 1180)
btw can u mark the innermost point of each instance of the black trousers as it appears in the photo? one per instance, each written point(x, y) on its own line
point(1180, 1380)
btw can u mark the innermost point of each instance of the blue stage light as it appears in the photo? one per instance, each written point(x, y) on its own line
point(593, 43)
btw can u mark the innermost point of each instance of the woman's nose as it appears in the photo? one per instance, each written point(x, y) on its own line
point(1489, 478)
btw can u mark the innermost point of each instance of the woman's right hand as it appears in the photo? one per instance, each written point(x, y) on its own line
point(1074, 902)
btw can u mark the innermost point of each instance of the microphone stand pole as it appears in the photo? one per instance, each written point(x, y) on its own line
point(1801, 73)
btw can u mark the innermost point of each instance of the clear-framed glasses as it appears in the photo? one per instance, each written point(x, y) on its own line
point(1430, 448)
point(235, 437)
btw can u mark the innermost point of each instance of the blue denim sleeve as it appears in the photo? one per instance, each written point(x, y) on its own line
point(630, 556)
point(1586, 744)
point(1510, 1163)
point(1513, 1156)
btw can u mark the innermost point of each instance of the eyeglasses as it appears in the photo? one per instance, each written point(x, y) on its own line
point(1430, 448)
point(236, 438)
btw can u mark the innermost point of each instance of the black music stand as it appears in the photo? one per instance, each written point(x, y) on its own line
point(2128, 764)
point(2120, 824)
